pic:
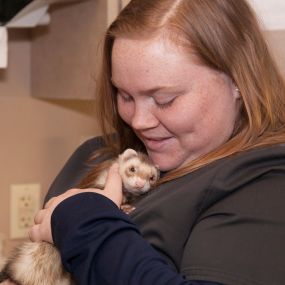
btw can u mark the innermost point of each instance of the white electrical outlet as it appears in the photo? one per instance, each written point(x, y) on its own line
point(24, 204)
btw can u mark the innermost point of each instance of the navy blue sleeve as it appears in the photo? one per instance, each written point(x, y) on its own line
point(99, 244)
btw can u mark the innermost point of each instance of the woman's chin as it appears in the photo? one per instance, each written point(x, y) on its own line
point(165, 163)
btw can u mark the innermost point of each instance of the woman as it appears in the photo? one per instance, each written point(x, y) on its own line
point(193, 84)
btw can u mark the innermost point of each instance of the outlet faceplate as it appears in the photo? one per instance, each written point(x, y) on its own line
point(24, 204)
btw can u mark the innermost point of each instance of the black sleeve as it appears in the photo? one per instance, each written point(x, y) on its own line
point(240, 239)
point(100, 245)
point(74, 169)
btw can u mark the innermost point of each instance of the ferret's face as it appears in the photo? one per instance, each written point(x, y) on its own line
point(138, 177)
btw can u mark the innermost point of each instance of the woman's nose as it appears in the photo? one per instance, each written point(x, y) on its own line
point(144, 118)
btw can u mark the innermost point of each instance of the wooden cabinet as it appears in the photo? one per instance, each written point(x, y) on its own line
point(66, 54)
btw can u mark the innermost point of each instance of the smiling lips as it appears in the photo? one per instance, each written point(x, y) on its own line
point(155, 143)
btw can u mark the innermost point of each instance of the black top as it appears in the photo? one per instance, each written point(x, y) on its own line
point(224, 222)
point(99, 244)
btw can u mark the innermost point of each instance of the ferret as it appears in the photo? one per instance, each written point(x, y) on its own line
point(39, 263)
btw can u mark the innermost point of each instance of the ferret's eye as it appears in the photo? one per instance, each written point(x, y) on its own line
point(152, 178)
point(132, 169)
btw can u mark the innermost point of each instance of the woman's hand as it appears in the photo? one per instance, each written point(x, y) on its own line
point(41, 231)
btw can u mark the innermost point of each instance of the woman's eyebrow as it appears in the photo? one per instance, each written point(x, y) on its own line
point(152, 90)
point(157, 89)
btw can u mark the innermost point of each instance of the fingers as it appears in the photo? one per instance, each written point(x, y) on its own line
point(34, 233)
point(113, 186)
point(41, 231)
point(39, 216)
point(114, 179)
point(49, 202)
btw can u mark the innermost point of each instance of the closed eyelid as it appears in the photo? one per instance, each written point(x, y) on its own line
point(165, 101)
point(126, 97)
point(165, 98)
point(165, 105)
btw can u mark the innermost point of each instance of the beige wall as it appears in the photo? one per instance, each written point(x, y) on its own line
point(276, 40)
point(37, 136)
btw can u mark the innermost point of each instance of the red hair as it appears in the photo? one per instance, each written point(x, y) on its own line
point(226, 36)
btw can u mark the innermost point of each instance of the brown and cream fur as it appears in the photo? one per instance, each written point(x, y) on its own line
point(39, 263)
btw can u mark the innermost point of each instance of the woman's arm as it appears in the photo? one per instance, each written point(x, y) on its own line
point(99, 244)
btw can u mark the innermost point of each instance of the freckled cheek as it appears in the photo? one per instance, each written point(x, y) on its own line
point(182, 123)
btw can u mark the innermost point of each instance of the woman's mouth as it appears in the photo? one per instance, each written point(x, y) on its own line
point(156, 143)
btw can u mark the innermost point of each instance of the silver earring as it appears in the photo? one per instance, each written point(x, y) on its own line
point(237, 92)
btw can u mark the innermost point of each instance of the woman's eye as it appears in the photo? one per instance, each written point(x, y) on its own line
point(125, 97)
point(164, 105)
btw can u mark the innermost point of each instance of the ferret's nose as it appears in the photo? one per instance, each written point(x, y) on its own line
point(140, 183)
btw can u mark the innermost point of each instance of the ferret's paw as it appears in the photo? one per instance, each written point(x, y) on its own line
point(127, 208)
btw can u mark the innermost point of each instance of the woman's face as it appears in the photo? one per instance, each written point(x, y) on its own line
point(179, 108)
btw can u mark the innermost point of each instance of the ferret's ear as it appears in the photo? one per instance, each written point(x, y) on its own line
point(128, 153)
